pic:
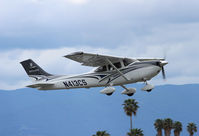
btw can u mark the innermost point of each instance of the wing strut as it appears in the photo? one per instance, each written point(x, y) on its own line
point(124, 87)
point(117, 70)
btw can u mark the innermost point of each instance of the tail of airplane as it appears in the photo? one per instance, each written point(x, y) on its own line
point(33, 70)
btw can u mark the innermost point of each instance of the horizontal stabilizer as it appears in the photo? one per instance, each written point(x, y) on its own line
point(40, 85)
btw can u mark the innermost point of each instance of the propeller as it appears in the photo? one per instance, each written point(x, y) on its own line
point(163, 73)
point(161, 64)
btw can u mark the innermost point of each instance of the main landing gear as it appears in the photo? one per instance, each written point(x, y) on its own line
point(108, 91)
point(148, 87)
point(128, 91)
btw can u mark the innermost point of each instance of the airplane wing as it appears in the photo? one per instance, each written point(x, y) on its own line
point(40, 85)
point(150, 59)
point(94, 60)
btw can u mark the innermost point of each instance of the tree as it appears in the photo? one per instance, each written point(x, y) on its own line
point(167, 125)
point(101, 133)
point(159, 126)
point(135, 132)
point(177, 126)
point(191, 128)
point(130, 108)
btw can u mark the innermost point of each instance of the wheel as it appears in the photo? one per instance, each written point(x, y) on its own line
point(149, 90)
point(131, 94)
point(109, 94)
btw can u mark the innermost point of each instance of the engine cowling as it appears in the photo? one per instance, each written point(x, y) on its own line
point(129, 92)
point(108, 91)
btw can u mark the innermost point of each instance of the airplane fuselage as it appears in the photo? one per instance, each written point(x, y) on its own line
point(135, 72)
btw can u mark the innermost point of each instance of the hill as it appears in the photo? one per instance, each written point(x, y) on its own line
point(81, 112)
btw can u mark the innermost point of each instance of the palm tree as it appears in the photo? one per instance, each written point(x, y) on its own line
point(191, 128)
point(177, 126)
point(130, 108)
point(101, 133)
point(135, 132)
point(159, 126)
point(167, 125)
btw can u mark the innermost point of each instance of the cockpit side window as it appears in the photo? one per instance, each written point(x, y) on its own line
point(117, 65)
point(101, 69)
point(110, 68)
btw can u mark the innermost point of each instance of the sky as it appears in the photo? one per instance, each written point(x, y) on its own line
point(46, 30)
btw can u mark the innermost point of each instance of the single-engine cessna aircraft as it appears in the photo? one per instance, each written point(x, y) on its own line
point(111, 71)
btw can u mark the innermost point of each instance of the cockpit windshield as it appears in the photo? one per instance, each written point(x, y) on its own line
point(127, 62)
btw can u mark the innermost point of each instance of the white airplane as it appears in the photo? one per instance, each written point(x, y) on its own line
point(111, 71)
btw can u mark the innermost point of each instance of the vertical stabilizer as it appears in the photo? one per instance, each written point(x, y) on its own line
point(33, 70)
